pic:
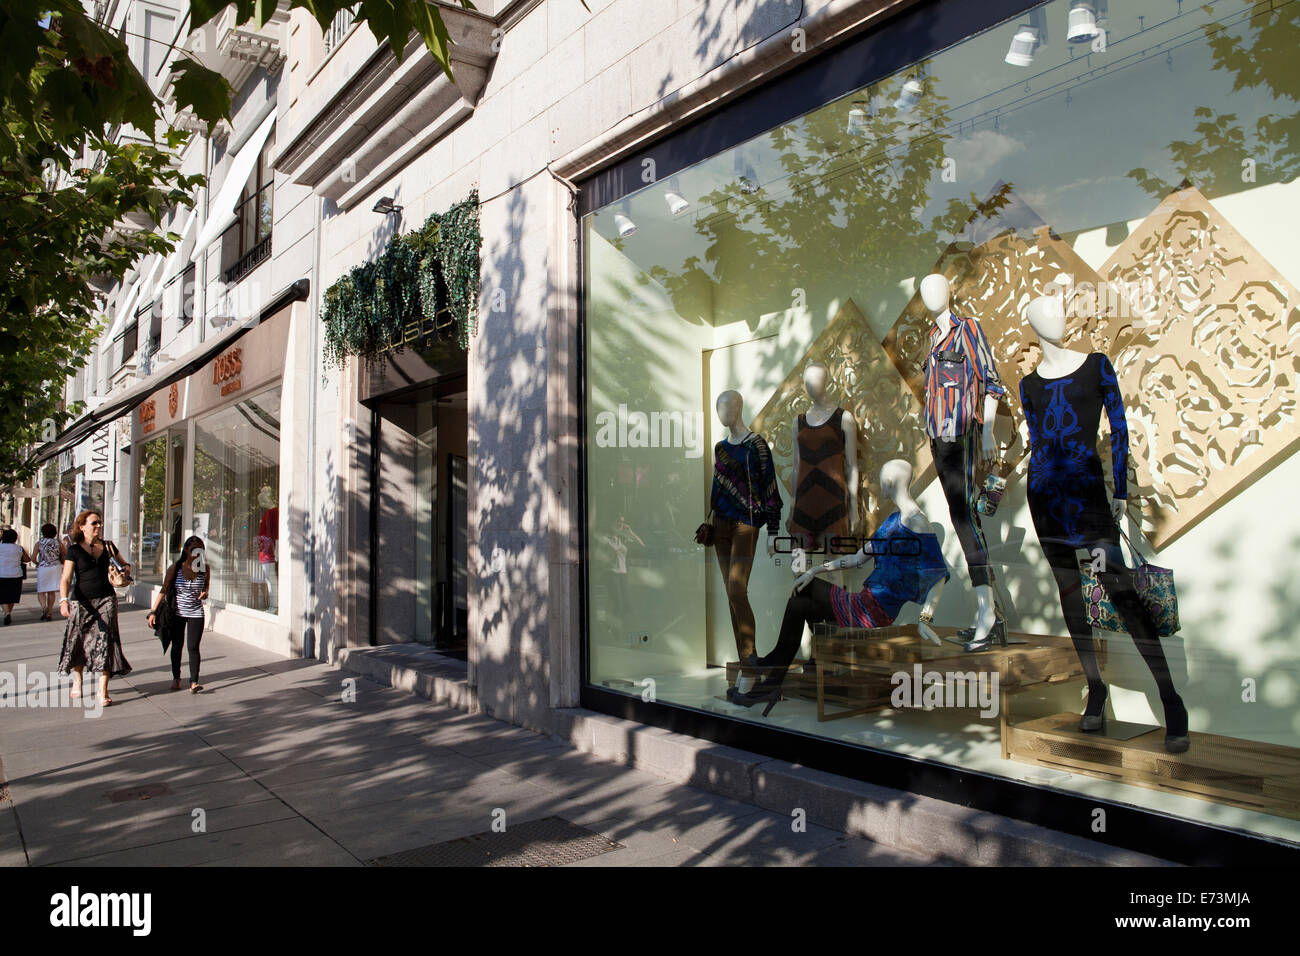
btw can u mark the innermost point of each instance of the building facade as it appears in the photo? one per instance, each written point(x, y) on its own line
point(693, 201)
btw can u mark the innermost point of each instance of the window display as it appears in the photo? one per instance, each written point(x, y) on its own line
point(236, 500)
point(152, 488)
point(938, 295)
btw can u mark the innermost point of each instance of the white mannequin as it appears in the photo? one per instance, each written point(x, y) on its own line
point(936, 293)
point(895, 484)
point(814, 383)
point(1046, 315)
point(731, 407)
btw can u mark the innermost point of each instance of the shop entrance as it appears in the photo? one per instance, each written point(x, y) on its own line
point(420, 499)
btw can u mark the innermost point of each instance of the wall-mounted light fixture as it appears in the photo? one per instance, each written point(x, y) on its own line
point(386, 206)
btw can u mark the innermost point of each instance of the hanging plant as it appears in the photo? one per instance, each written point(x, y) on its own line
point(431, 273)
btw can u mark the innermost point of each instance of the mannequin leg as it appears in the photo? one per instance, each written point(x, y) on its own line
point(955, 462)
point(1069, 582)
point(743, 542)
point(810, 606)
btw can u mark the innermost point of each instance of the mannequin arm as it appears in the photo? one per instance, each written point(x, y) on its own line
point(989, 447)
point(838, 564)
point(794, 480)
point(927, 612)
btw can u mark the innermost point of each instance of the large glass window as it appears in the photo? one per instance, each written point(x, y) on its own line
point(1128, 183)
point(151, 557)
point(236, 499)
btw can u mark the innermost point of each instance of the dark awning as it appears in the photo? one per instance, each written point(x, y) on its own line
point(185, 366)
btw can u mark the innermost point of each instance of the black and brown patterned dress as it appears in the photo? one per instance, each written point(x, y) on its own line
point(821, 497)
point(92, 640)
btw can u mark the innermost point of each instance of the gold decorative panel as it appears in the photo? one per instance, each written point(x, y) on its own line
point(1207, 363)
point(862, 379)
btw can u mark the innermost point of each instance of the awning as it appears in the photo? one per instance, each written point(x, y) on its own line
point(221, 211)
point(115, 406)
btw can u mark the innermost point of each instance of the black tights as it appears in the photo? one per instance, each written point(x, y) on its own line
point(810, 606)
point(193, 631)
point(1117, 580)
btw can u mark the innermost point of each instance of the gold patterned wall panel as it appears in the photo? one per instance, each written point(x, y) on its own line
point(1207, 361)
point(863, 380)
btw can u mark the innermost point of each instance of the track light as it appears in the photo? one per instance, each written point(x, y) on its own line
point(913, 90)
point(623, 221)
point(677, 203)
point(859, 119)
point(1081, 23)
point(746, 178)
point(1029, 37)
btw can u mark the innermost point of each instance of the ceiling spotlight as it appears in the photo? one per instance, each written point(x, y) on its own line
point(859, 119)
point(1023, 45)
point(677, 203)
point(623, 221)
point(746, 178)
point(913, 90)
point(1081, 23)
point(386, 206)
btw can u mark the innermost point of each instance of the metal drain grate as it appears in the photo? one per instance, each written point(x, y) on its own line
point(146, 792)
point(550, 841)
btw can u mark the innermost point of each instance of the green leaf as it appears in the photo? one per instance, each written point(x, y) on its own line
point(205, 92)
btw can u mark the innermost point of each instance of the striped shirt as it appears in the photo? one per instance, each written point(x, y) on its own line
point(187, 594)
point(946, 404)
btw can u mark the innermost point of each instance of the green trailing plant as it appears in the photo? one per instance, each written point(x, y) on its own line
point(429, 274)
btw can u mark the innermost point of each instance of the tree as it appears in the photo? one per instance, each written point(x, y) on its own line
point(69, 190)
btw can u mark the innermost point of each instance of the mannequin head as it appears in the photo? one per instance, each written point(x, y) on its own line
point(936, 293)
point(1046, 315)
point(266, 497)
point(814, 380)
point(729, 406)
point(895, 478)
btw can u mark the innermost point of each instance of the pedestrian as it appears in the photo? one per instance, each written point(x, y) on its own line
point(13, 568)
point(92, 639)
point(186, 584)
point(49, 556)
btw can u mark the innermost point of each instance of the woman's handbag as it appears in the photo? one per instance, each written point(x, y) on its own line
point(1155, 589)
point(164, 617)
point(704, 533)
point(994, 487)
point(119, 575)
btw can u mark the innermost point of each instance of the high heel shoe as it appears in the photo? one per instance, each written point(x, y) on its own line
point(1177, 739)
point(1094, 715)
point(770, 693)
point(997, 636)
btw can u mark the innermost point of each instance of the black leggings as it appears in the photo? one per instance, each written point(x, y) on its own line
point(955, 462)
point(810, 606)
point(192, 627)
point(1117, 580)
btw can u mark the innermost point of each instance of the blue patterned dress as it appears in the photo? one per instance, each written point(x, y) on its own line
point(1067, 487)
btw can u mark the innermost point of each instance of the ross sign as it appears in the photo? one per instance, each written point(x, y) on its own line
point(226, 369)
point(148, 412)
point(173, 399)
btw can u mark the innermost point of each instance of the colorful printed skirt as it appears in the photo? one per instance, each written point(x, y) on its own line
point(92, 640)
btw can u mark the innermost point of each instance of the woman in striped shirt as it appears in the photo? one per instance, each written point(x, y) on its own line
point(186, 584)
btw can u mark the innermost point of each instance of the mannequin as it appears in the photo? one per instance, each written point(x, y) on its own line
point(744, 498)
point(268, 545)
point(618, 548)
point(908, 566)
point(1063, 399)
point(961, 401)
point(825, 443)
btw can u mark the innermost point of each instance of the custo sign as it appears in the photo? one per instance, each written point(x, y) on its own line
point(226, 369)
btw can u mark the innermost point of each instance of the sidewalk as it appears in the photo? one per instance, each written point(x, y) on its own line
point(279, 770)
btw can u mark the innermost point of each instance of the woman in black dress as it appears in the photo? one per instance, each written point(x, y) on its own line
point(1069, 507)
point(92, 639)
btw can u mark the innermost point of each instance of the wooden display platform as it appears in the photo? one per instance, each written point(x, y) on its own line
point(1241, 773)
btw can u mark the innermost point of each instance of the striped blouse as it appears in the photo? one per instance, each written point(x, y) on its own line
point(943, 404)
point(187, 595)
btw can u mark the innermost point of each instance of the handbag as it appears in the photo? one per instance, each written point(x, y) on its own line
point(1155, 589)
point(704, 533)
point(165, 617)
point(994, 487)
point(119, 576)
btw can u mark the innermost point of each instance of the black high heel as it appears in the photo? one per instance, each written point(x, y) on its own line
point(1094, 715)
point(758, 695)
point(997, 636)
point(1177, 739)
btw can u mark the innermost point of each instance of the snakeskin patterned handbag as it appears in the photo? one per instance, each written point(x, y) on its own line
point(1155, 589)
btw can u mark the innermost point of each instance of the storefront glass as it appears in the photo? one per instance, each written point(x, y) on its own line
point(236, 499)
point(151, 557)
point(1136, 172)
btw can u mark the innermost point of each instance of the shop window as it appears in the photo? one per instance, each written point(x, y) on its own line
point(151, 549)
point(1129, 180)
point(255, 214)
point(236, 500)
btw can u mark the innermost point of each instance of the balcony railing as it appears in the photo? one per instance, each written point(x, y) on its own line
point(339, 27)
point(250, 261)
